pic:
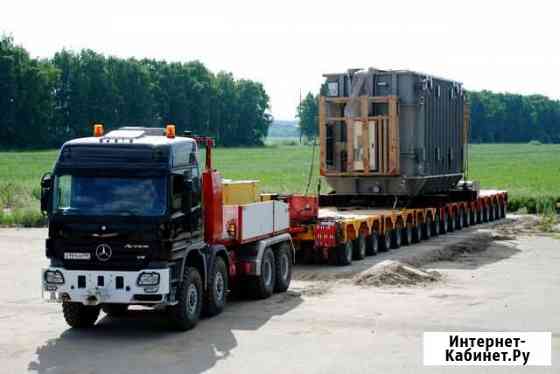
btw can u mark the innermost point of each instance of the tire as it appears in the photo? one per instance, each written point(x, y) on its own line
point(386, 241)
point(443, 226)
point(503, 210)
point(459, 220)
point(283, 262)
point(115, 310)
point(417, 233)
point(396, 238)
point(78, 315)
point(216, 292)
point(185, 314)
point(491, 213)
point(436, 226)
point(360, 245)
point(450, 224)
point(427, 228)
point(344, 253)
point(262, 286)
point(372, 244)
point(407, 235)
point(485, 217)
point(466, 219)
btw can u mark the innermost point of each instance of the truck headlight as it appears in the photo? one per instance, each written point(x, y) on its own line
point(148, 279)
point(54, 277)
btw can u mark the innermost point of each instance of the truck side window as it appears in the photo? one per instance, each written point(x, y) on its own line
point(177, 192)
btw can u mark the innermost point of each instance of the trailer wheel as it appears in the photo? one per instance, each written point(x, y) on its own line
point(262, 286)
point(407, 235)
point(360, 248)
point(115, 310)
point(386, 240)
point(497, 211)
point(78, 315)
point(427, 228)
point(283, 261)
point(459, 220)
point(503, 210)
point(485, 217)
point(215, 300)
point(436, 225)
point(344, 253)
point(450, 223)
point(396, 238)
point(466, 221)
point(186, 313)
point(472, 217)
point(372, 244)
point(443, 226)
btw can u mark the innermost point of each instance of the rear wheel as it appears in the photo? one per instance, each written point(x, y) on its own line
point(217, 288)
point(186, 313)
point(344, 253)
point(262, 286)
point(373, 244)
point(78, 315)
point(283, 261)
point(115, 310)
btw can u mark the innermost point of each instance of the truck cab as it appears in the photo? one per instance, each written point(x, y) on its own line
point(134, 221)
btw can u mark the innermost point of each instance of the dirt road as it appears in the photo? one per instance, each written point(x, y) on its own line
point(324, 324)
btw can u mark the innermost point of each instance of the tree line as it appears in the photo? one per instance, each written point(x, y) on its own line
point(495, 117)
point(44, 102)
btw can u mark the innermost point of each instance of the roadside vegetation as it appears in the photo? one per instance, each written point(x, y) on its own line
point(530, 173)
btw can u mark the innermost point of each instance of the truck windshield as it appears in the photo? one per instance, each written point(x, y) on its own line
point(79, 195)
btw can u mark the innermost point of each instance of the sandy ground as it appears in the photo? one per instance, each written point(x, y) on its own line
point(488, 280)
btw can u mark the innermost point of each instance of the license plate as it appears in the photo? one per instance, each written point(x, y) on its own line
point(77, 255)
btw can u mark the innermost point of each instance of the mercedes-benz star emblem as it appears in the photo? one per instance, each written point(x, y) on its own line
point(103, 252)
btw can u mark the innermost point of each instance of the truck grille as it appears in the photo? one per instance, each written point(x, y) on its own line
point(103, 256)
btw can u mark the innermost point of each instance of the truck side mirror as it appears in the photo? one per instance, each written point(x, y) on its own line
point(46, 192)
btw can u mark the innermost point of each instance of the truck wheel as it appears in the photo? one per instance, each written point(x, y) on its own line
point(283, 263)
point(262, 286)
point(373, 244)
point(186, 313)
point(503, 210)
point(450, 224)
point(466, 221)
point(344, 253)
point(78, 315)
point(217, 288)
point(115, 310)
point(360, 248)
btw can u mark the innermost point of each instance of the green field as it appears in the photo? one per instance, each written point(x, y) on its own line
point(528, 172)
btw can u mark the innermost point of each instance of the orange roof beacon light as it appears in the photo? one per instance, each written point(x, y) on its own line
point(170, 131)
point(98, 130)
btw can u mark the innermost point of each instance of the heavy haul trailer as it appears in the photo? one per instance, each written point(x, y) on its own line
point(392, 148)
point(133, 221)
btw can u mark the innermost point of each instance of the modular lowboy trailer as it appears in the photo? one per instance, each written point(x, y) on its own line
point(392, 148)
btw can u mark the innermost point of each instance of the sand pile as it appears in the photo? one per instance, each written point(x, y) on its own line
point(394, 273)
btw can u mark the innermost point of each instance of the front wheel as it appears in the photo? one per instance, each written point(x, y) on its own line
point(283, 261)
point(217, 288)
point(186, 313)
point(78, 315)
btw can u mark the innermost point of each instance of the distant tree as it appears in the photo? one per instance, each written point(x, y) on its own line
point(308, 115)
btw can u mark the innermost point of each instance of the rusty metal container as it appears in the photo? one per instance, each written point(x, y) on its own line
point(392, 132)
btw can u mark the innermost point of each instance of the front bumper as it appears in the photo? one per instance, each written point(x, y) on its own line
point(93, 287)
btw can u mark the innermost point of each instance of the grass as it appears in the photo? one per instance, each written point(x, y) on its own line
point(529, 172)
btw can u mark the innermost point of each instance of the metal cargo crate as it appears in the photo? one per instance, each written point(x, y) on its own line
point(392, 132)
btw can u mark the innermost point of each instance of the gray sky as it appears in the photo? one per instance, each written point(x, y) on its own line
point(287, 45)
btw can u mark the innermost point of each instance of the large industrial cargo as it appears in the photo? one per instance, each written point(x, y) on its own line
point(392, 132)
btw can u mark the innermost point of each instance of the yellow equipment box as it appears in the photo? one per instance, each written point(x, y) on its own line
point(239, 192)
